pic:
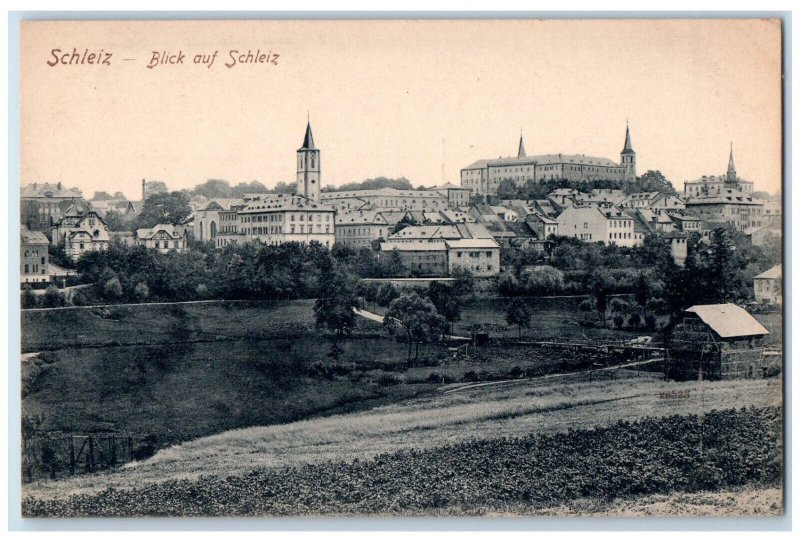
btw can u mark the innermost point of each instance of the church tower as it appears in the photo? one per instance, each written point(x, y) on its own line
point(628, 156)
point(308, 167)
point(521, 151)
point(730, 177)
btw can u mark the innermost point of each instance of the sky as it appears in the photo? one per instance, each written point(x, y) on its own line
point(414, 99)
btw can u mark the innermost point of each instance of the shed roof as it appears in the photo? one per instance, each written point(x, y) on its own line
point(728, 320)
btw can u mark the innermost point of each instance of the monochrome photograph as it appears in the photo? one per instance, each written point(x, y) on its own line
point(507, 268)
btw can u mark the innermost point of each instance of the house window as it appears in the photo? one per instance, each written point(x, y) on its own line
point(42, 260)
point(26, 268)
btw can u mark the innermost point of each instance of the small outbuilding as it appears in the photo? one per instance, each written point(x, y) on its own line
point(721, 341)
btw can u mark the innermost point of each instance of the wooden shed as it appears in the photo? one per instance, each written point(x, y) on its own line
point(716, 342)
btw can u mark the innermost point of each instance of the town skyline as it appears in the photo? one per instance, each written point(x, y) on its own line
point(415, 113)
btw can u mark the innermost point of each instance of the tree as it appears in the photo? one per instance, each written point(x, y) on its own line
point(415, 317)
point(446, 301)
point(601, 285)
point(386, 294)
point(643, 291)
point(507, 189)
point(58, 255)
point(213, 188)
point(463, 283)
point(101, 196)
point(518, 314)
point(337, 297)
point(163, 208)
point(155, 187)
point(114, 221)
point(393, 264)
point(654, 181)
point(373, 184)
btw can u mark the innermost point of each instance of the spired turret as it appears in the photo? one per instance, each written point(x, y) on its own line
point(628, 156)
point(308, 167)
point(731, 177)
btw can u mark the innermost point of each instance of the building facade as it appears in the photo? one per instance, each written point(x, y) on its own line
point(610, 225)
point(42, 205)
point(731, 207)
point(81, 230)
point(208, 220)
point(439, 250)
point(360, 228)
point(387, 198)
point(275, 219)
point(34, 257)
point(163, 238)
point(768, 286)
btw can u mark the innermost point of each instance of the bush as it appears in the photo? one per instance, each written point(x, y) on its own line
point(387, 380)
point(112, 289)
point(436, 378)
point(618, 320)
point(53, 297)
point(29, 299)
point(618, 305)
point(650, 322)
point(544, 280)
point(634, 321)
point(141, 291)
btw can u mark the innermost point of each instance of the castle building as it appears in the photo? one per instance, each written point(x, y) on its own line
point(485, 176)
point(713, 185)
point(725, 199)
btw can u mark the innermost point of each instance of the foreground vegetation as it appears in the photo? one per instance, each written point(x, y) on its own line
point(654, 455)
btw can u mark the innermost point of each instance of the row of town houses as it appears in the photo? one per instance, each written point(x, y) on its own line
point(433, 231)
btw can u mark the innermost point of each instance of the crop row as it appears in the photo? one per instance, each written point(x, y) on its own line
point(653, 455)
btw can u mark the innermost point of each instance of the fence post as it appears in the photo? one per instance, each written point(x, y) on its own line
point(91, 453)
point(71, 456)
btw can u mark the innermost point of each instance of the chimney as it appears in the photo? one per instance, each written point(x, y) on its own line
point(59, 185)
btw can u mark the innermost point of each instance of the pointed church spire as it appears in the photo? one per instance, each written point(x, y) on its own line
point(521, 151)
point(731, 176)
point(308, 141)
point(627, 149)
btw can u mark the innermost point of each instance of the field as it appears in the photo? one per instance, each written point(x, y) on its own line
point(718, 450)
point(228, 389)
point(164, 374)
point(453, 414)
